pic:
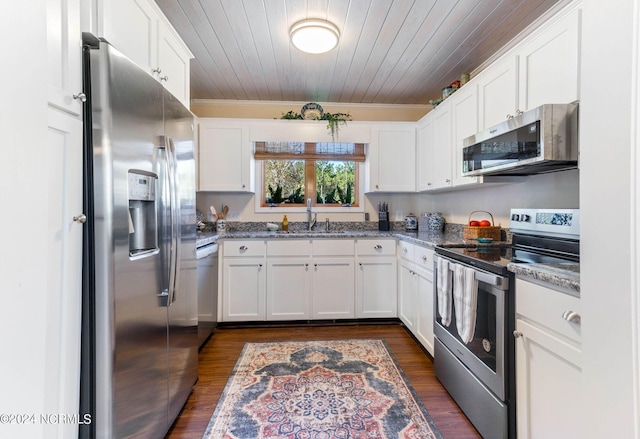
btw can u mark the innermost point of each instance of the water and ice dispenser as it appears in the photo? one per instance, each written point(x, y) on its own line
point(143, 217)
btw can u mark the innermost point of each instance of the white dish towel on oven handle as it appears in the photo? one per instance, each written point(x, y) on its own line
point(443, 291)
point(465, 296)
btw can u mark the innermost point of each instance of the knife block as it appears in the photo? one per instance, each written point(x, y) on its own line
point(383, 221)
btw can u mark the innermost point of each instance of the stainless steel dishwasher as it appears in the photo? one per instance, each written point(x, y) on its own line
point(207, 256)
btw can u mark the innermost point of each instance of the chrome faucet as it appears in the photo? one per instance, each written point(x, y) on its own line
point(310, 221)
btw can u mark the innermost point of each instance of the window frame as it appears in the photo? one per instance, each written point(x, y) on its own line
point(262, 207)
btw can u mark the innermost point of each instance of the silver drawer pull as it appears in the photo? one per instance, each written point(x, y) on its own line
point(424, 257)
point(378, 247)
point(243, 248)
point(517, 334)
point(571, 316)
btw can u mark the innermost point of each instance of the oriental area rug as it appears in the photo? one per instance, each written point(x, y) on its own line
point(341, 389)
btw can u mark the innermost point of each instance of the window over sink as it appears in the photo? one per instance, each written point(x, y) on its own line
point(288, 173)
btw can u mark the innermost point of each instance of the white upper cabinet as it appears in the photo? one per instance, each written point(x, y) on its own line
point(441, 147)
point(139, 29)
point(464, 108)
point(498, 92)
point(549, 64)
point(392, 158)
point(424, 152)
point(543, 69)
point(225, 157)
point(64, 55)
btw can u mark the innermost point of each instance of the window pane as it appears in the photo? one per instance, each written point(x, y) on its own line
point(284, 181)
point(335, 182)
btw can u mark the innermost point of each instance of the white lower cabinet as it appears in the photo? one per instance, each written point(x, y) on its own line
point(548, 363)
point(424, 305)
point(376, 278)
point(406, 295)
point(288, 288)
point(243, 278)
point(333, 288)
point(415, 291)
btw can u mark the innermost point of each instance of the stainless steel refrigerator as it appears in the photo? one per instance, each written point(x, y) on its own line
point(140, 314)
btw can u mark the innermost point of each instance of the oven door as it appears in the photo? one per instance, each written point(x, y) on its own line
point(485, 354)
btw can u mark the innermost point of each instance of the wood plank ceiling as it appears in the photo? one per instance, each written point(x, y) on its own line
point(390, 51)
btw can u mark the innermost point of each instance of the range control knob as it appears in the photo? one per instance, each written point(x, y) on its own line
point(525, 218)
point(515, 217)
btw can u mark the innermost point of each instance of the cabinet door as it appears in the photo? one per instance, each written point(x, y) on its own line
point(442, 146)
point(392, 159)
point(557, 46)
point(548, 384)
point(64, 55)
point(333, 288)
point(224, 156)
point(465, 124)
point(243, 289)
point(376, 287)
point(64, 275)
point(424, 309)
point(288, 288)
point(131, 27)
point(498, 92)
point(424, 152)
point(173, 65)
point(406, 295)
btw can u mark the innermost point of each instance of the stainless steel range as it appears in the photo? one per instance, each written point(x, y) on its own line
point(475, 313)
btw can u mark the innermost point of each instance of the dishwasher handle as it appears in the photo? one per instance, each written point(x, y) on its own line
point(206, 250)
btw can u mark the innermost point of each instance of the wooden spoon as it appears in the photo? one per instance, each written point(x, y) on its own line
point(225, 210)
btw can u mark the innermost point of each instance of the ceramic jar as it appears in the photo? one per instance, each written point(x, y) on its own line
point(411, 223)
point(435, 222)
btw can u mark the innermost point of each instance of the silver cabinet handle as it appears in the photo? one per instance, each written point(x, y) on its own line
point(81, 97)
point(519, 112)
point(517, 334)
point(82, 218)
point(157, 70)
point(243, 248)
point(377, 187)
point(424, 258)
point(571, 316)
point(404, 249)
point(378, 247)
point(164, 78)
point(447, 181)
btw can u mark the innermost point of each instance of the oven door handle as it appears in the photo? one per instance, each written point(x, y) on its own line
point(484, 277)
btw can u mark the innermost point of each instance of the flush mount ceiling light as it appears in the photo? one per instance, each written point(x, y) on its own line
point(314, 36)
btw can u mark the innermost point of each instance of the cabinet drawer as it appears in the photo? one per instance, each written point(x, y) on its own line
point(406, 250)
point(546, 307)
point(376, 247)
point(244, 248)
point(289, 247)
point(333, 247)
point(423, 257)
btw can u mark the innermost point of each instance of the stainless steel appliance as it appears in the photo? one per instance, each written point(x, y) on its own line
point(207, 257)
point(543, 139)
point(478, 368)
point(140, 318)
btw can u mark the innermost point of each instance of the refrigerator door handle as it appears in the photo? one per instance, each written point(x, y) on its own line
point(174, 268)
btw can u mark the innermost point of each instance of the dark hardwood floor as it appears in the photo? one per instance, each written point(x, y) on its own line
point(220, 354)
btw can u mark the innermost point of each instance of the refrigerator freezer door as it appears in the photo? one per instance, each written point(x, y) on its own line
point(131, 317)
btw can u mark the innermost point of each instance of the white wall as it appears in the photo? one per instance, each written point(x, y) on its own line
point(558, 189)
point(609, 202)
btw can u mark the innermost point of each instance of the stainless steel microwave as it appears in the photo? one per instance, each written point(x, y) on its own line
point(544, 139)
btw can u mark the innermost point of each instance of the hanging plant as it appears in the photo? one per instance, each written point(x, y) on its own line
point(313, 111)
